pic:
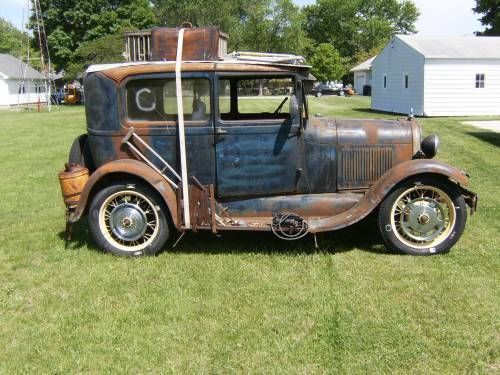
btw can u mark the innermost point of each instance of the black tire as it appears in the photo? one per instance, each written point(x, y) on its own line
point(80, 153)
point(318, 94)
point(118, 219)
point(432, 204)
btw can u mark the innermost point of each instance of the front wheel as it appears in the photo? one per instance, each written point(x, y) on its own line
point(128, 220)
point(318, 94)
point(424, 216)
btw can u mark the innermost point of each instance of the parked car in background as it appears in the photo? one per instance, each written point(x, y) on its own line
point(325, 89)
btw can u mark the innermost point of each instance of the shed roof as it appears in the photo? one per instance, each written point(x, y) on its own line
point(365, 65)
point(464, 47)
point(12, 67)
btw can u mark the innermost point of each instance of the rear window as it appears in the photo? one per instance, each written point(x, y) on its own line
point(155, 99)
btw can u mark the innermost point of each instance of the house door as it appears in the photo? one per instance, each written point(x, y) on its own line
point(256, 138)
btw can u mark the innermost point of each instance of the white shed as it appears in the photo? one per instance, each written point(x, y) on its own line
point(362, 75)
point(20, 83)
point(457, 76)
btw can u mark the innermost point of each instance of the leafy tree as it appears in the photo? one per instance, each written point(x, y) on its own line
point(14, 42)
point(327, 64)
point(11, 39)
point(257, 25)
point(490, 11)
point(69, 23)
point(359, 25)
point(107, 49)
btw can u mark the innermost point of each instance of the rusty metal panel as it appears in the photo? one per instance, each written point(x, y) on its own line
point(360, 167)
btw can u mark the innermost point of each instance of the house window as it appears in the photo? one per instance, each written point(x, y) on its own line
point(480, 81)
point(406, 81)
point(385, 81)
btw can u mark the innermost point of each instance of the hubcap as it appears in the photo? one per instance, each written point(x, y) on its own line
point(423, 216)
point(129, 220)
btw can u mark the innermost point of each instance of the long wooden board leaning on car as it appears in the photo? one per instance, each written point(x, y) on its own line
point(222, 143)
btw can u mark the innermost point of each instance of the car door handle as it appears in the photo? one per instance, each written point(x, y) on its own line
point(220, 131)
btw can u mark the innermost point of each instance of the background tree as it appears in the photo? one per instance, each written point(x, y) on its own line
point(69, 23)
point(11, 39)
point(359, 25)
point(327, 64)
point(490, 11)
point(14, 42)
point(257, 25)
point(108, 49)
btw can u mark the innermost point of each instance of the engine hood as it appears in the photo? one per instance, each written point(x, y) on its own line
point(360, 132)
point(361, 151)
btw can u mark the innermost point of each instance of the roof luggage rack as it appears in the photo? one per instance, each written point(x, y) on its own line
point(277, 58)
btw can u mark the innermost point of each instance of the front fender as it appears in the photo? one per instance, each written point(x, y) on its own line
point(131, 167)
point(383, 186)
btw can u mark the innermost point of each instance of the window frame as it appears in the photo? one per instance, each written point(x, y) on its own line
point(238, 76)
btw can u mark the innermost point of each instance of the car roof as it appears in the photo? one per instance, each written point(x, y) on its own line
point(118, 72)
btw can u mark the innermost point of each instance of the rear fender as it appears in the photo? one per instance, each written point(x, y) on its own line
point(384, 185)
point(133, 168)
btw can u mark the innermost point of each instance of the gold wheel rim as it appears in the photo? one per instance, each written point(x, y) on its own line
point(422, 217)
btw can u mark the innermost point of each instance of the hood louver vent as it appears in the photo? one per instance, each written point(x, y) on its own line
point(360, 167)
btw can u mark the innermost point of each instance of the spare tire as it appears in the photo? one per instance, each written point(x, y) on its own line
point(80, 153)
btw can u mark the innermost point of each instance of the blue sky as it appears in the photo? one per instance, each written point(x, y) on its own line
point(438, 18)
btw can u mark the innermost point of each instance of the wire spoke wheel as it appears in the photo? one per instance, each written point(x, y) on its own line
point(423, 216)
point(128, 220)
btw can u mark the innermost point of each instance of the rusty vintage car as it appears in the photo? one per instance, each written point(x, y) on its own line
point(230, 144)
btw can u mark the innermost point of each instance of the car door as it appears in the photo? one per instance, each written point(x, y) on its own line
point(256, 144)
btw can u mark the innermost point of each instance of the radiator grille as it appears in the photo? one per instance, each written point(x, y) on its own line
point(361, 167)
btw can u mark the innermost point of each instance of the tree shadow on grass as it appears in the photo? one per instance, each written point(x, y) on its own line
point(363, 236)
point(490, 137)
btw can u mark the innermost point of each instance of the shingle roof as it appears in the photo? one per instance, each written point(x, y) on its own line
point(365, 65)
point(465, 47)
point(12, 67)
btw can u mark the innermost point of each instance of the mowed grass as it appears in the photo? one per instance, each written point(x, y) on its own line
point(245, 302)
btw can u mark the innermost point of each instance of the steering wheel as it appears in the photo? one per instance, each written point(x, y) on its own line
point(277, 111)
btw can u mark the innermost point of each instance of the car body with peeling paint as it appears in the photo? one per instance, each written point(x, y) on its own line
point(256, 160)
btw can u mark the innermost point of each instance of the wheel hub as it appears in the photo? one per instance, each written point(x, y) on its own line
point(128, 222)
point(424, 220)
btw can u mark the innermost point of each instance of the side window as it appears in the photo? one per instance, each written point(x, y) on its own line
point(155, 99)
point(255, 98)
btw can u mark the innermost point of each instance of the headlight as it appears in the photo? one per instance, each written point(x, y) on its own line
point(430, 146)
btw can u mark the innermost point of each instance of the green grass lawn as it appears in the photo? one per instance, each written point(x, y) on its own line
point(243, 302)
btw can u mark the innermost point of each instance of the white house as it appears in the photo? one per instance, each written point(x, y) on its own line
point(362, 75)
point(20, 83)
point(458, 76)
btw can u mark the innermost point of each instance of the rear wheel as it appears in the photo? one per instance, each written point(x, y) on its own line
point(318, 94)
point(424, 216)
point(129, 220)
